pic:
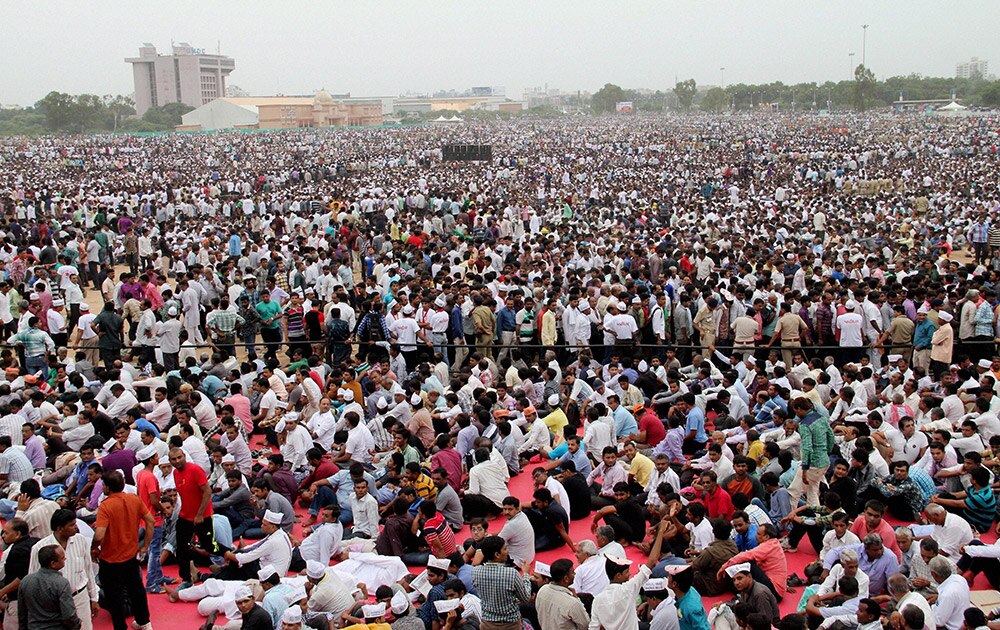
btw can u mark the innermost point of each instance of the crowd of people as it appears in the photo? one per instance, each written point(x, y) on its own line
point(338, 382)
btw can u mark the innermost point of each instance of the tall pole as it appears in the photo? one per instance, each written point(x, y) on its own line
point(851, 75)
point(723, 71)
point(864, 42)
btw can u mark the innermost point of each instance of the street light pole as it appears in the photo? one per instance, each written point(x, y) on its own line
point(723, 71)
point(864, 43)
point(851, 75)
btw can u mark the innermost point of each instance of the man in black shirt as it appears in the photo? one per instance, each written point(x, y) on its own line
point(549, 520)
point(16, 558)
point(625, 516)
point(577, 490)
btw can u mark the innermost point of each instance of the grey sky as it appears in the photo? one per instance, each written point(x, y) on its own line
point(388, 47)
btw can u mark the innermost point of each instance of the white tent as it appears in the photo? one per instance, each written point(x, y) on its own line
point(952, 107)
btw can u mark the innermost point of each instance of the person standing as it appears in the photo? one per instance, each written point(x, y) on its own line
point(148, 490)
point(817, 442)
point(78, 567)
point(195, 516)
point(37, 344)
point(19, 543)
point(110, 328)
point(116, 547)
point(44, 600)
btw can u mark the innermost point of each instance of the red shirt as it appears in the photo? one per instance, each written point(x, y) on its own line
point(146, 484)
point(189, 483)
point(436, 528)
point(719, 504)
point(450, 460)
point(653, 426)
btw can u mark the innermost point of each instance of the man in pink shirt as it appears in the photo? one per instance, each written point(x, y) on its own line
point(767, 557)
point(870, 522)
point(240, 405)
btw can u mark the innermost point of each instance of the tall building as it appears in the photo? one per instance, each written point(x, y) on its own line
point(187, 75)
point(975, 68)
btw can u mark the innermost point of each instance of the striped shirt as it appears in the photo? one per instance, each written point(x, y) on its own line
point(16, 465)
point(223, 321)
point(436, 528)
point(36, 342)
point(79, 568)
point(502, 591)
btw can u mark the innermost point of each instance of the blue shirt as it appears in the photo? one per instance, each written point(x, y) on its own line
point(427, 611)
point(579, 459)
point(343, 485)
point(625, 423)
point(878, 569)
point(505, 320)
point(691, 612)
point(213, 386)
point(696, 422)
point(923, 334)
point(235, 245)
point(747, 541)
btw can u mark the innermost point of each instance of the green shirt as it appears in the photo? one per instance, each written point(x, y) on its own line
point(267, 310)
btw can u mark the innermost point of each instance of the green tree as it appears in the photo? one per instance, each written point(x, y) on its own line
point(58, 109)
point(864, 84)
point(685, 91)
point(166, 117)
point(603, 101)
point(716, 100)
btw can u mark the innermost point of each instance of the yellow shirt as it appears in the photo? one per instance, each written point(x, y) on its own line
point(641, 468)
point(756, 451)
point(555, 421)
point(369, 626)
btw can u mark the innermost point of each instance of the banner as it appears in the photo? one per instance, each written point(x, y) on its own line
point(623, 107)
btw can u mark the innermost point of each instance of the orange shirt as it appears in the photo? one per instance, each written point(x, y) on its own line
point(121, 514)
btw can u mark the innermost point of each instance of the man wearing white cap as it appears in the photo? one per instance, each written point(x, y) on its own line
point(942, 345)
point(85, 336)
point(851, 325)
point(274, 549)
point(923, 332)
point(57, 322)
point(406, 331)
point(614, 607)
point(438, 321)
point(291, 619)
point(755, 595)
point(329, 593)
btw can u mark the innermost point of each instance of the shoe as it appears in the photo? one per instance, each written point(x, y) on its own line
point(184, 585)
point(787, 546)
point(170, 580)
point(155, 590)
point(795, 580)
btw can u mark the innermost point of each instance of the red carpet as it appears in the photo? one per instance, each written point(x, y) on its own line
point(185, 615)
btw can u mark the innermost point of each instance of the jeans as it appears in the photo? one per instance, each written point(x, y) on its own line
point(325, 495)
point(117, 579)
point(34, 365)
point(154, 572)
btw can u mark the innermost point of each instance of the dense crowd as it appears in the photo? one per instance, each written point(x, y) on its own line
point(339, 382)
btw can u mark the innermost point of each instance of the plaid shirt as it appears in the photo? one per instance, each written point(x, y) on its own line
point(36, 342)
point(502, 590)
point(979, 232)
point(223, 321)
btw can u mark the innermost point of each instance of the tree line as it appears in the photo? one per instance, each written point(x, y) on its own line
point(863, 92)
point(60, 113)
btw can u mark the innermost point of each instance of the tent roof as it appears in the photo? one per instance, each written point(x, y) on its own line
point(952, 107)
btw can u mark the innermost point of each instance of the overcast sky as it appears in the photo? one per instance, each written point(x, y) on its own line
point(388, 47)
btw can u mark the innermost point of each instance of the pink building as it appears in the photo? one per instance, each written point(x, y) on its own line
point(188, 75)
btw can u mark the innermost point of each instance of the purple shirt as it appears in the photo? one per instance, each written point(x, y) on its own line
point(123, 460)
point(35, 452)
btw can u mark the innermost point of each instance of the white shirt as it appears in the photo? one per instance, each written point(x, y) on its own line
point(365, 515)
point(322, 543)
point(79, 569)
point(590, 576)
point(359, 443)
point(701, 534)
point(829, 585)
point(953, 599)
point(276, 549)
point(918, 600)
point(952, 536)
point(614, 607)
